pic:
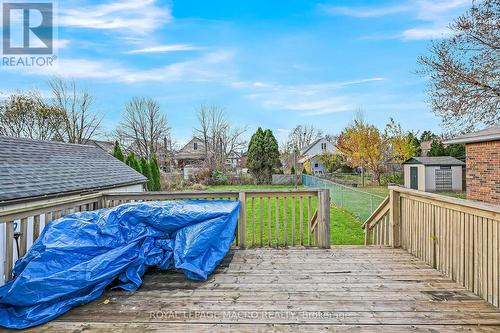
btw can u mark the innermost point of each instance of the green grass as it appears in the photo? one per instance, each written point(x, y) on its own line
point(345, 229)
point(378, 190)
point(251, 187)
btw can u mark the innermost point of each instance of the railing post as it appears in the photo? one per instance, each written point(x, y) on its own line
point(324, 219)
point(394, 202)
point(242, 223)
point(367, 235)
point(102, 201)
point(9, 244)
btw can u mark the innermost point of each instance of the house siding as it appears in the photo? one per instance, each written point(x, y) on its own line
point(483, 171)
point(316, 149)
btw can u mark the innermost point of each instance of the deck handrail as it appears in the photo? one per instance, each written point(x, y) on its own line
point(275, 202)
point(460, 238)
point(377, 214)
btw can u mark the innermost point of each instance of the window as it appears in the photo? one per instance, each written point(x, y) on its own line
point(195, 146)
point(323, 146)
point(316, 165)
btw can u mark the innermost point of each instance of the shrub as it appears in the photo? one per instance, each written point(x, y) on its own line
point(201, 176)
point(197, 187)
point(394, 178)
point(218, 178)
point(173, 182)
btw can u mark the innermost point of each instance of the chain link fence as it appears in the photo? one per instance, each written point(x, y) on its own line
point(360, 203)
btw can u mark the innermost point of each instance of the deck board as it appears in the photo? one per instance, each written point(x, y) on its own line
point(344, 289)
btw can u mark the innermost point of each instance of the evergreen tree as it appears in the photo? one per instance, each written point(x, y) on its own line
point(132, 162)
point(437, 148)
point(263, 155)
point(255, 155)
point(155, 172)
point(456, 150)
point(117, 152)
point(146, 171)
point(271, 154)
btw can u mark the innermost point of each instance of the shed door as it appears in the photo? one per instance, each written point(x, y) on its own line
point(414, 178)
point(443, 179)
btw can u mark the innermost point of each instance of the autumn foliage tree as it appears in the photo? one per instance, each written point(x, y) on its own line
point(402, 145)
point(363, 146)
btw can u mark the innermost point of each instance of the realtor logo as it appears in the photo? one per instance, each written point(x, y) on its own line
point(27, 28)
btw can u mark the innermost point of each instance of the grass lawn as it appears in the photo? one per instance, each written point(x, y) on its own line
point(378, 190)
point(384, 191)
point(345, 228)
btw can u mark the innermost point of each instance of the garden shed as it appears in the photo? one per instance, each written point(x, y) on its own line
point(434, 174)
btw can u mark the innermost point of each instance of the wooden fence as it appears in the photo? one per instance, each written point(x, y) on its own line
point(460, 238)
point(267, 218)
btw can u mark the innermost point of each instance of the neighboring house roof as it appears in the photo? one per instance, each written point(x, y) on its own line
point(304, 150)
point(488, 134)
point(438, 160)
point(107, 146)
point(35, 168)
point(306, 158)
point(188, 151)
point(425, 146)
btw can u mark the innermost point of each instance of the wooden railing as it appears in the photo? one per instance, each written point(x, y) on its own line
point(267, 218)
point(377, 226)
point(461, 238)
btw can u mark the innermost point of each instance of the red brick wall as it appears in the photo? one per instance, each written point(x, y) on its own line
point(483, 171)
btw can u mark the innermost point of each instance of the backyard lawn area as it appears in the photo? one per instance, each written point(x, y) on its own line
point(345, 229)
point(384, 191)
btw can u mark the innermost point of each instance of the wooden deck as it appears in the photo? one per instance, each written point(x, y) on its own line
point(345, 289)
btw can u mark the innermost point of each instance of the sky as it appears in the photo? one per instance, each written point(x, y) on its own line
point(268, 63)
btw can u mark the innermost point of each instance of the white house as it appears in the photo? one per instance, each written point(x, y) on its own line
point(312, 153)
point(37, 172)
point(433, 174)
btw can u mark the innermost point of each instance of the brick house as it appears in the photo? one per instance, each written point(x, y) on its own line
point(482, 164)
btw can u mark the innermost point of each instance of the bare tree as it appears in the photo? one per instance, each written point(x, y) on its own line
point(464, 70)
point(27, 115)
point(219, 137)
point(80, 123)
point(143, 126)
point(302, 136)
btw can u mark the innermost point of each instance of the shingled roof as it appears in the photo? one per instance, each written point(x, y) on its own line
point(34, 168)
point(435, 160)
point(488, 134)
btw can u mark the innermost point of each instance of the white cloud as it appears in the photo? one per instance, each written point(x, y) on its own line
point(435, 16)
point(139, 17)
point(60, 43)
point(205, 68)
point(364, 11)
point(426, 33)
point(306, 100)
point(164, 49)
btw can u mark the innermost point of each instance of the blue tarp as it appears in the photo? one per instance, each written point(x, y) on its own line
point(78, 255)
